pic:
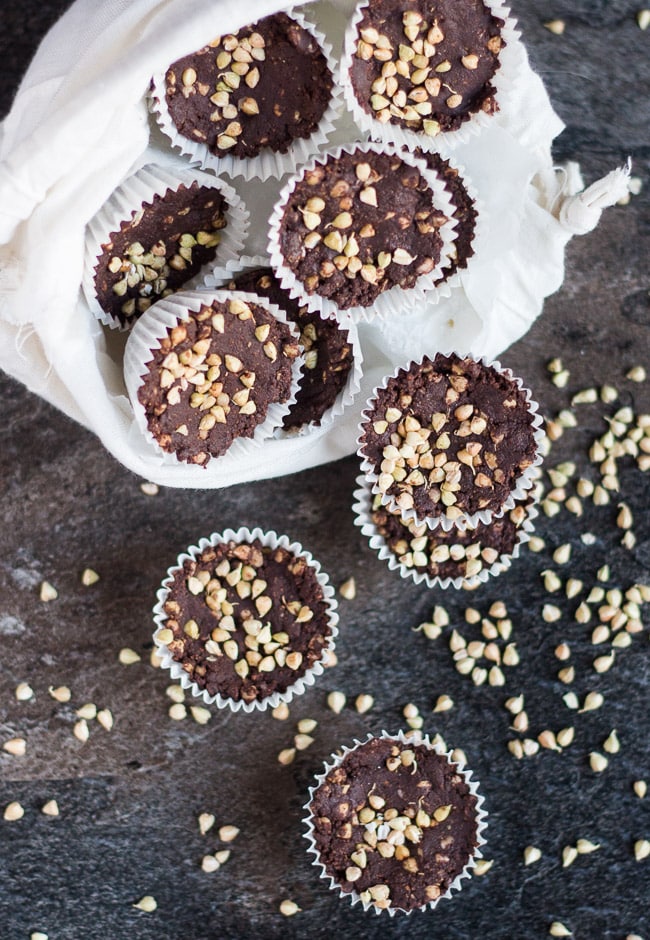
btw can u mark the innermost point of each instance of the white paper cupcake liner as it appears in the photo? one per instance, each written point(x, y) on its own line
point(268, 163)
point(221, 276)
point(139, 190)
point(503, 82)
point(481, 820)
point(154, 325)
point(271, 540)
point(393, 302)
point(362, 509)
point(524, 482)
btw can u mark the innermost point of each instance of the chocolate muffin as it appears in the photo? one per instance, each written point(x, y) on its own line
point(162, 246)
point(448, 438)
point(328, 350)
point(426, 65)
point(395, 823)
point(243, 619)
point(358, 225)
point(213, 376)
point(263, 87)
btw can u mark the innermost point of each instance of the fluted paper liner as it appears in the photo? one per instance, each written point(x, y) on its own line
point(271, 540)
point(268, 163)
point(153, 326)
point(221, 276)
point(481, 820)
point(523, 484)
point(503, 81)
point(139, 190)
point(362, 509)
point(397, 299)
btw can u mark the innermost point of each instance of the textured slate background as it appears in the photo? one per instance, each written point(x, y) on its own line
point(129, 799)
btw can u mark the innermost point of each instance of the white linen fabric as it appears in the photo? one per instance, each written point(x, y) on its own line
point(79, 125)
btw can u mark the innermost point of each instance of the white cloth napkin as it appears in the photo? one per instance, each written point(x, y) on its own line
point(79, 125)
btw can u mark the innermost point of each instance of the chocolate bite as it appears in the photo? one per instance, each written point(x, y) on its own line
point(394, 822)
point(262, 87)
point(328, 352)
point(213, 377)
point(426, 65)
point(453, 554)
point(245, 620)
point(464, 213)
point(163, 245)
point(358, 225)
point(449, 437)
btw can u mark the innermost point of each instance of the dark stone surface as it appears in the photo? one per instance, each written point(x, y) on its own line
point(129, 798)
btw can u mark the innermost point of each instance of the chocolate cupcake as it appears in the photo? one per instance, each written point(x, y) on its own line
point(395, 824)
point(177, 225)
point(450, 441)
point(252, 103)
point(332, 356)
point(440, 558)
point(415, 71)
point(208, 370)
point(244, 619)
point(365, 231)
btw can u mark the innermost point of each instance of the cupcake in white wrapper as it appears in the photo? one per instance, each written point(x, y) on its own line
point(437, 557)
point(395, 846)
point(232, 104)
point(211, 373)
point(245, 619)
point(417, 61)
point(332, 371)
point(158, 233)
point(363, 231)
point(451, 441)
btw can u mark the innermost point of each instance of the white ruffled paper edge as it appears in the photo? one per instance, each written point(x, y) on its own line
point(394, 301)
point(271, 540)
point(362, 508)
point(269, 163)
point(503, 81)
point(153, 326)
point(481, 820)
point(220, 276)
point(524, 482)
point(136, 191)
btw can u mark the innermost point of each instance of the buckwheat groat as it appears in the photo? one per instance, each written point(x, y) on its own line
point(395, 823)
point(448, 438)
point(159, 249)
point(213, 377)
point(262, 87)
point(328, 352)
point(428, 67)
point(358, 225)
point(245, 620)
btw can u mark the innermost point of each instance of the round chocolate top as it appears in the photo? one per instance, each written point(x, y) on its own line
point(328, 353)
point(163, 246)
point(214, 376)
point(453, 554)
point(246, 620)
point(394, 822)
point(262, 87)
point(449, 436)
point(359, 225)
point(428, 67)
point(464, 212)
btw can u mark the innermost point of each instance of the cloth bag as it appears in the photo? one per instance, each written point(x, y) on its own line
point(80, 124)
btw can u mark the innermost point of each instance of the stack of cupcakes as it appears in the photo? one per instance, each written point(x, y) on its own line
point(449, 448)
